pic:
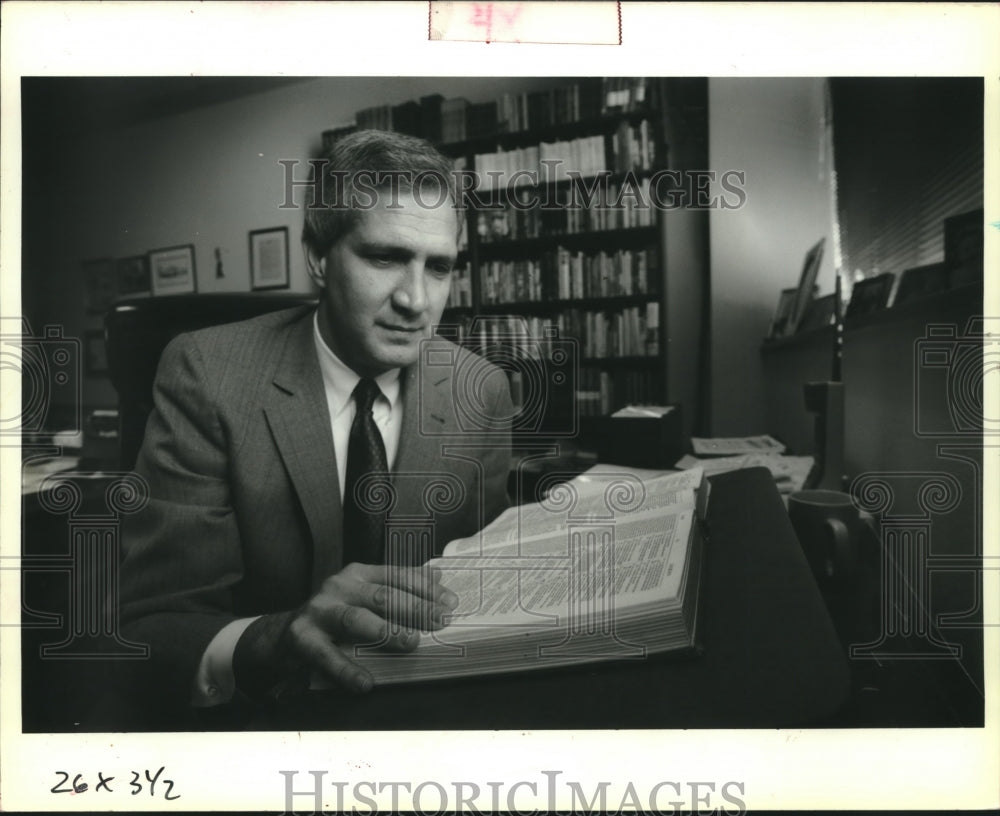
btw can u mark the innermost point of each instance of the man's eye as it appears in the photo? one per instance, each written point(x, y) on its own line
point(381, 260)
point(442, 270)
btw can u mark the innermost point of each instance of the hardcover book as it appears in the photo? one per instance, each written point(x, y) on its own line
point(607, 567)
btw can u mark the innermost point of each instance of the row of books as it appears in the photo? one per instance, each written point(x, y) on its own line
point(446, 121)
point(631, 148)
point(522, 337)
point(565, 275)
point(613, 205)
point(599, 391)
point(461, 287)
point(629, 332)
point(589, 98)
point(580, 335)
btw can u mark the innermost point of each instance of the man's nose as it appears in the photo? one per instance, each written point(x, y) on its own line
point(411, 294)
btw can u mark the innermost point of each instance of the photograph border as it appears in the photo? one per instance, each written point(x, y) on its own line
point(789, 769)
point(191, 273)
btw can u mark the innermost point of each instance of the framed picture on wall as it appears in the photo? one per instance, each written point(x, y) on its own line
point(922, 281)
point(172, 270)
point(99, 284)
point(869, 295)
point(133, 276)
point(269, 258)
point(95, 353)
point(805, 291)
point(781, 313)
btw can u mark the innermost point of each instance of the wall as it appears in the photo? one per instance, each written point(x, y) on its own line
point(209, 175)
point(771, 129)
point(206, 177)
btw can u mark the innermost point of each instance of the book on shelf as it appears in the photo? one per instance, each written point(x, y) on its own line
point(565, 275)
point(606, 567)
point(453, 120)
point(480, 119)
point(430, 117)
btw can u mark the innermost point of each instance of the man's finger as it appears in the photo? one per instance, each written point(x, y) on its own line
point(348, 623)
point(424, 582)
point(313, 644)
point(399, 606)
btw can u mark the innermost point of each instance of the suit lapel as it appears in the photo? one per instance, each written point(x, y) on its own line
point(425, 409)
point(297, 414)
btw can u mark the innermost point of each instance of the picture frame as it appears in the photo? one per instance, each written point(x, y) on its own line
point(172, 270)
point(782, 311)
point(132, 276)
point(805, 290)
point(269, 258)
point(870, 295)
point(95, 353)
point(820, 312)
point(963, 248)
point(922, 281)
point(99, 284)
point(963, 238)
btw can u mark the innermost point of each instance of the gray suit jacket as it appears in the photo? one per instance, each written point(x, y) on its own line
point(245, 515)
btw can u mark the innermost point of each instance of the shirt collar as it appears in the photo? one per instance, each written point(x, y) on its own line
point(340, 379)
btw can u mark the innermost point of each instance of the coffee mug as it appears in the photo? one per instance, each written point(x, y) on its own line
point(830, 530)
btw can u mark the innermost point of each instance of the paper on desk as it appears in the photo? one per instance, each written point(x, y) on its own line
point(789, 472)
point(654, 411)
point(735, 446)
point(35, 472)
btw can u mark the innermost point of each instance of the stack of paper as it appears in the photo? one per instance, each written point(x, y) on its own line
point(790, 472)
point(735, 446)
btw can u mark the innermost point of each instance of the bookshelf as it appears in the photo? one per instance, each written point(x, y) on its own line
point(562, 248)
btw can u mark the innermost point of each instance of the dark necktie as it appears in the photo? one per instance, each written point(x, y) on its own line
point(364, 523)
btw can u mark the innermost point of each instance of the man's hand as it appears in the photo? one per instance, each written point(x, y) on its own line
point(378, 605)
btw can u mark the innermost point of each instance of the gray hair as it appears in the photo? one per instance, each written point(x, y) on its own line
point(365, 161)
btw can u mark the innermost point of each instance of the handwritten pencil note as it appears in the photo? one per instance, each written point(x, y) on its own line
point(590, 23)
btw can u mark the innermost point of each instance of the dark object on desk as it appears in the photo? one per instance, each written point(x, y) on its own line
point(638, 441)
point(869, 295)
point(138, 331)
point(826, 401)
point(828, 527)
point(771, 656)
point(922, 281)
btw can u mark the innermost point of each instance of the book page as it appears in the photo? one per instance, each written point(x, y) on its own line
point(637, 561)
point(595, 494)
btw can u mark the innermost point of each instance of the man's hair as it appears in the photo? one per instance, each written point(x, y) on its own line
point(356, 163)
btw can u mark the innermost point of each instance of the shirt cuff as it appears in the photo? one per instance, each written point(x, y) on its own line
point(215, 682)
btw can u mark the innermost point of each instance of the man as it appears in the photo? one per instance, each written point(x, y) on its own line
point(252, 567)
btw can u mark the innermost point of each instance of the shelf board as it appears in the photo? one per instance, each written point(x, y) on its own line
point(542, 306)
point(508, 193)
point(626, 236)
point(593, 126)
point(629, 362)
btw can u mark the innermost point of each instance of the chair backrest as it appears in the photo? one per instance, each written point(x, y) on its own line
point(138, 330)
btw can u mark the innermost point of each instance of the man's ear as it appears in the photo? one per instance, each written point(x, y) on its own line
point(315, 266)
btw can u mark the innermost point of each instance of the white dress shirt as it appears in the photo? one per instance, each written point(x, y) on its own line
point(214, 682)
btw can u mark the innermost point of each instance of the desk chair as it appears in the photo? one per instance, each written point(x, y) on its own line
point(138, 330)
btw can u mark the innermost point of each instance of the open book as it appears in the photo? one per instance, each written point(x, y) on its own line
point(605, 568)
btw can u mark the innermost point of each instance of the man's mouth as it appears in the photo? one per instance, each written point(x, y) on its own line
point(402, 329)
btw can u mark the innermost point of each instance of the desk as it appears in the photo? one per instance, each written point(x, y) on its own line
point(771, 656)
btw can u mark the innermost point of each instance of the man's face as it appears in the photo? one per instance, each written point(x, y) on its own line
point(385, 283)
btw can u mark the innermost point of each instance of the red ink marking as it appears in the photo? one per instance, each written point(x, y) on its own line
point(482, 15)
